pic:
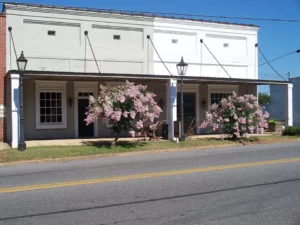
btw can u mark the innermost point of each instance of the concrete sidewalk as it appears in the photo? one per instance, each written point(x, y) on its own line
point(73, 142)
point(4, 146)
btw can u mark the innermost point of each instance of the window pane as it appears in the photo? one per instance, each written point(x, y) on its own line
point(53, 111)
point(53, 103)
point(53, 120)
point(42, 111)
point(53, 95)
point(42, 95)
point(50, 107)
point(48, 119)
point(59, 112)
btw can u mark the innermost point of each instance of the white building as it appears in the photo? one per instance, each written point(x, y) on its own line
point(62, 72)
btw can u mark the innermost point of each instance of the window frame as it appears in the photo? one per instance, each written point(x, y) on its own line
point(50, 86)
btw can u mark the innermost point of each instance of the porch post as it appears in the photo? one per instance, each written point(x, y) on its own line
point(15, 111)
point(198, 110)
point(172, 107)
point(288, 104)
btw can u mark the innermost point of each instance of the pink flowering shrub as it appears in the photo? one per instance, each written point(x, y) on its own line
point(236, 116)
point(127, 107)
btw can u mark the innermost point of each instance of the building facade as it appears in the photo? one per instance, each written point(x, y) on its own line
point(71, 51)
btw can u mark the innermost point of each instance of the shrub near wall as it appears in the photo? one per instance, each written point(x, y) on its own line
point(291, 131)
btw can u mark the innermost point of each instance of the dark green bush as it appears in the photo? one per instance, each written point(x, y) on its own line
point(291, 131)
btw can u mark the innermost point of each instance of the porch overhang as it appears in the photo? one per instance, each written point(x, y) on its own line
point(81, 76)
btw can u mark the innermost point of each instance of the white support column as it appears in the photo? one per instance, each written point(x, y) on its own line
point(288, 104)
point(15, 113)
point(197, 110)
point(172, 107)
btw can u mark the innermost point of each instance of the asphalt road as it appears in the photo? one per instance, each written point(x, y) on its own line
point(234, 186)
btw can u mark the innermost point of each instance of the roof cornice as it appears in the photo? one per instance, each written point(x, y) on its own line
point(124, 14)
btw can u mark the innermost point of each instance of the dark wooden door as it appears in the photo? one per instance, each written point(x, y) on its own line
point(83, 129)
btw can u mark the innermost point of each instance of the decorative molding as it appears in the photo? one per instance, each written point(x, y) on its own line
point(50, 84)
point(200, 24)
point(78, 13)
point(175, 32)
point(225, 36)
point(53, 23)
point(95, 26)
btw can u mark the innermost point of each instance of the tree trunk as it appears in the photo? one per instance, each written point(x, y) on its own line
point(234, 137)
point(113, 143)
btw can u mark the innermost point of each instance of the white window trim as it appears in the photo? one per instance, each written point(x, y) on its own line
point(91, 87)
point(50, 86)
point(220, 89)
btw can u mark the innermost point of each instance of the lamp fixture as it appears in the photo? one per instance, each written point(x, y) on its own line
point(203, 103)
point(70, 101)
point(161, 103)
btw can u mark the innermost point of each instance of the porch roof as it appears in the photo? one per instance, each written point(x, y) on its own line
point(84, 76)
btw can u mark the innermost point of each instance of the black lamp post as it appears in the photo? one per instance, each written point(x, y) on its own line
point(21, 62)
point(182, 68)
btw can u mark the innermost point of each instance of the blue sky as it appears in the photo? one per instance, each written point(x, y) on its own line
point(275, 38)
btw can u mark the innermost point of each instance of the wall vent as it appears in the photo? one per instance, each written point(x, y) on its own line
point(117, 37)
point(51, 32)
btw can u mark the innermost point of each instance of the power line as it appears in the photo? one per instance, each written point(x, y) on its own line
point(202, 42)
point(256, 45)
point(298, 51)
point(220, 17)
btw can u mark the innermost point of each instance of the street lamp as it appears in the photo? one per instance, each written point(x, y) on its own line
point(182, 68)
point(21, 62)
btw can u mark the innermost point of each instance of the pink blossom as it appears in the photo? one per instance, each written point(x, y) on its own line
point(125, 114)
point(132, 133)
point(251, 129)
point(242, 120)
point(249, 106)
point(139, 124)
point(222, 136)
point(244, 110)
point(122, 99)
point(132, 114)
point(116, 115)
point(91, 100)
point(157, 110)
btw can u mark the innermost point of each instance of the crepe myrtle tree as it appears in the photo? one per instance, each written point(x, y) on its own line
point(127, 107)
point(236, 116)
